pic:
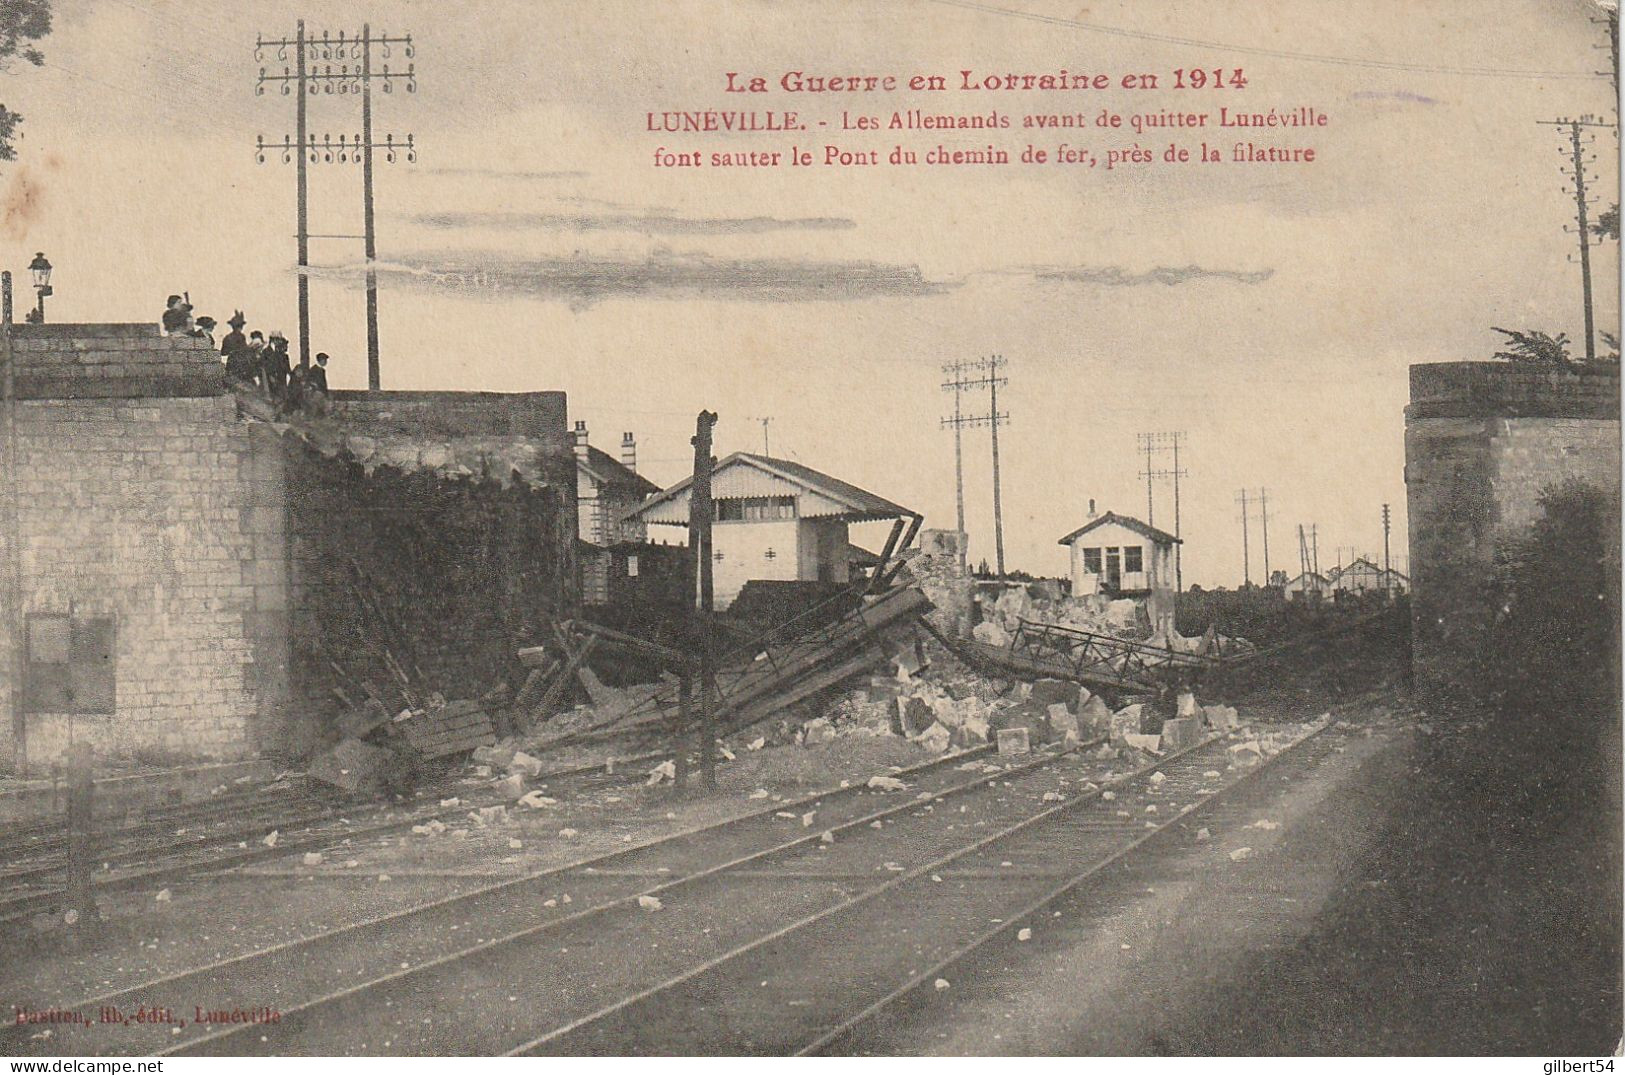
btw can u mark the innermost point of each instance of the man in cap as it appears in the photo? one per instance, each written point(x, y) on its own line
point(316, 385)
point(275, 364)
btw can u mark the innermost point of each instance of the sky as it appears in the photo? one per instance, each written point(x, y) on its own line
point(1267, 312)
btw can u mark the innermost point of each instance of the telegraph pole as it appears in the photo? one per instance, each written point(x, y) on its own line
point(993, 429)
point(1157, 442)
point(1264, 524)
point(303, 199)
point(1387, 560)
point(1145, 440)
point(1581, 211)
point(302, 149)
point(1246, 559)
point(989, 378)
point(766, 450)
point(956, 383)
point(701, 603)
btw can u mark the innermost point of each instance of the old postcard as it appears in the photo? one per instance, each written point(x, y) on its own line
point(635, 529)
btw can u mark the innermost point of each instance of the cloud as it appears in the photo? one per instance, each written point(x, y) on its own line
point(582, 279)
point(646, 223)
point(1116, 276)
point(499, 173)
point(1392, 95)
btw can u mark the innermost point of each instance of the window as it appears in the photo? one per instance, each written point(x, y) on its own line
point(753, 509)
point(1133, 558)
point(1091, 561)
point(69, 665)
point(632, 566)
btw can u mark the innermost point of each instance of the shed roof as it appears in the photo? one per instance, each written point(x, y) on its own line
point(610, 472)
point(1161, 537)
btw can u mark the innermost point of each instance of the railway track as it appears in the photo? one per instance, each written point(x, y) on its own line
point(761, 953)
point(756, 948)
point(31, 887)
point(299, 976)
point(805, 987)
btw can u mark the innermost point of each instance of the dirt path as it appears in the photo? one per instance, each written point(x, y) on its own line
point(1366, 924)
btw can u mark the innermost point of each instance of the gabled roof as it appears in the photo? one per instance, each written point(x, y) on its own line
point(1146, 530)
point(857, 503)
point(1299, 578)
point(606, 470)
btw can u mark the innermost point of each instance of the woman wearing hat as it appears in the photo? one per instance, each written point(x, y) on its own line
point(177, 316)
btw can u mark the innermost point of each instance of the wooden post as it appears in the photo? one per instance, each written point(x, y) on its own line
point(699, 541)
point(685, 707)
point(81, 895)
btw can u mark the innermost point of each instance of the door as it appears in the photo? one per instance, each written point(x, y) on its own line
point(1114, 568)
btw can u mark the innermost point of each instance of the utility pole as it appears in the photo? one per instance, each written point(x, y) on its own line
point(1314, 544)
point(1303, 561)
point(989, 378)
point(1145, 440)
point(307, 79)
point(701, 599)
point(1157, 442)
point(15, 623)
point(1264, 523)
point(1246, 556)
point(1387, 560)
point(767, 451)
point(956, 383)
point(1582, 207)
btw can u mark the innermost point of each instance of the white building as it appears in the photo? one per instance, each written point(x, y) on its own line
point(1121, 556)
point(605, 490)
point(1306, 583)
point(1364, 576)
point(774, 520)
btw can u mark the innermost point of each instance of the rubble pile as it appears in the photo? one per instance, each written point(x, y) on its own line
point(1002, 615)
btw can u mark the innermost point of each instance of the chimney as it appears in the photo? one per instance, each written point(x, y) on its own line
point(629, 452)
point(581, 442)
point(1092, 512)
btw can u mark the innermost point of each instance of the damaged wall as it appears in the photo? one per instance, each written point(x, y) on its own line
point(1482, 440)
point(179, 550)
point(417, 539)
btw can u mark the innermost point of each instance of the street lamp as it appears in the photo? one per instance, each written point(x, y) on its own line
point(40, 270)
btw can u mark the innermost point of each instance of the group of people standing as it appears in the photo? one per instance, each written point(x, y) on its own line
point(256, 361)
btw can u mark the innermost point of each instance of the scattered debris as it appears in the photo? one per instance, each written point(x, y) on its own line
point(1241, 853)
point(650, 903)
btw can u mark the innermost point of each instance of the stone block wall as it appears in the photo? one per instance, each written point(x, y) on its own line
point(1482, 440)
point(136, 504)
point(215, 544)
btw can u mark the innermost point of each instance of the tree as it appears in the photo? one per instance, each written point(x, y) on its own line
point(1607, 223)
point(22, 22)
point(1536, 348)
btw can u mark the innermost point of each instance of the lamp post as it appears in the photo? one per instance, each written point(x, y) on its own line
point(40, 270)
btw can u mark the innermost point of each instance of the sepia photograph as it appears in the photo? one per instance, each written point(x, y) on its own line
point(658, 530)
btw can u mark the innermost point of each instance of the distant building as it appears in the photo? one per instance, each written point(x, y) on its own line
point(606, 489)
point(1310, 583)
point(1363, 576)
point(1120, 556)
point(775, 521)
